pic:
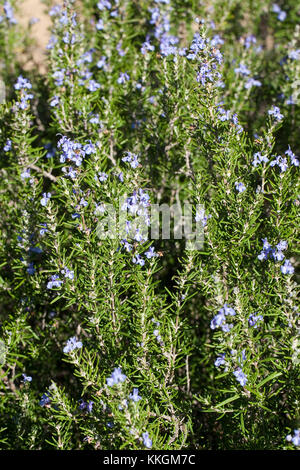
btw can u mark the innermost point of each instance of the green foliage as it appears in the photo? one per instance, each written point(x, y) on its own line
point(101, 345)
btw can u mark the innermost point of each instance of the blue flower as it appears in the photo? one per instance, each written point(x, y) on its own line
point(102, 64)
point(31, 269)
point(8, 146)
point(104, 4)
point(146, 440)
point(123, 78)
point(9, 13)
point(134, 396)
point(229, 310)
point(150, 253)
point(275, 112)
point(254, 319)
point(54, 11)
point(72, 344)
point(281, 14)
point(146, 46)
point(55, 282)
point(295, 439)
point(240, 187)
point(131, 158)
point(45, 400)
point(128, 247)
point(45, 199)
point(93, 85)
point(102, 177)
point(249, 40)
point(59, 76)
point(259, 158)
point(116, 377)
point(281, 162)
point(240, 376)
point(67, 273)
point(201, 217)
point(88, 406)
point(100, 25)
point(43, 230)
point(138, 260)
point(26, 378)
point(220, 360)
point(294, 55)
point(219, 320)
point(252, 82)
point(69, 171)
point(242, 69)
point(25, 174)
point(89, 148)
point(287, 267)
point(54, 101)
point(22, 83)
point(294, 160)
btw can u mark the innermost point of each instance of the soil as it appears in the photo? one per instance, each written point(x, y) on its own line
point(39, 31)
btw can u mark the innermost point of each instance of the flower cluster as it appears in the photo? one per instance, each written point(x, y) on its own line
point(295, 439)
point(72, 344)
point(219, 320)
point(21, 86)
point(116, 377)
point(9, 13)
point(74, 151)
point(277, 254)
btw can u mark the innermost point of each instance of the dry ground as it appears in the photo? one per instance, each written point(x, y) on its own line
point(39, 31)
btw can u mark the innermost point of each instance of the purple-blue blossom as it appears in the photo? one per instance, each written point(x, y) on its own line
point(123, 78)
point(240, 187)
point(116, 377)
point(46, 197)
point(54, 101)
point(68, 274)
point(146, 440)
point(220, 361)
point(59, 76)
point(275, 113)
point(281, 15)
point(132, 159)
point(134, 396)
point(219, 320)
point(293, 158)
point(259, 158)
point(254, 319)
point(26, 378)
point(102, 177)
point(240, 376)
point(22, 83)
point(45, 400)
point(104, 4)
point(252, 82)
point(8, 146)
point(87, 406)
point(72, 344)
point(137, 259)
point(242, 69)
point(150, 253)
point(93, 85)
point(31, 269)
point(54, 282)
point(9, 12)
point(295, 438)
point(287, 267)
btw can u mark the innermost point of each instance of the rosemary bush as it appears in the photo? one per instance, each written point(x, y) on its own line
point(133, 342)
